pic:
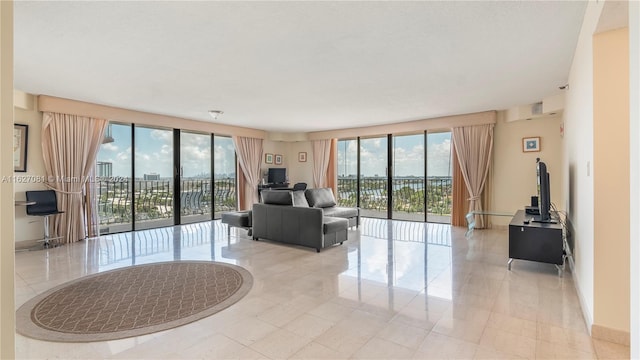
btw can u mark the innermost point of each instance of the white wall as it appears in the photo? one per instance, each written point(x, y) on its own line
point(611, 184)
point(31, 227)
point(514, 171)
point(296, 171)
point(578, 149)
point(300, 171)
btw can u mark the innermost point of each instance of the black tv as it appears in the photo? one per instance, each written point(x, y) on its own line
point(277, 176)
point(544, 194)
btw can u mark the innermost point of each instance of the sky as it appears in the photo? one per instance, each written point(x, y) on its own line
point(154, 152)
point(408, 155)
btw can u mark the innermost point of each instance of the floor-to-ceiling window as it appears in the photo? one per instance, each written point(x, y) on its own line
point(195, 177)
point(114, 180)
point(439, 177)
point(417, 185)
point(373, 177)
point(151, 177)
point(348, 172)
point(224, 175)
point(408, 182)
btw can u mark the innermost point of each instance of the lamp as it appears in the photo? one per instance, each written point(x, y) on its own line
point(215, 113)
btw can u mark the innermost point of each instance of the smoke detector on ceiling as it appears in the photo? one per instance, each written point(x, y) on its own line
point(215, 113)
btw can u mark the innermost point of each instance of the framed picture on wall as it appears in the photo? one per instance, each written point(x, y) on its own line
point(278, 159)
point(531, 144)
point(268, 158)
point(302, 156)
point(20, 138)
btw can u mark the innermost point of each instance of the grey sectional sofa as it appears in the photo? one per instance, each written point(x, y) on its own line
point(323, 198)
point(290, 217)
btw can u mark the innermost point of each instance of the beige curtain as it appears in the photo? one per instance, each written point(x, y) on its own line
point(321, 157)
point(460, 195)
point(332, 168)
point(249, 152)
point(473, 145)
point(240, 186)
point(91, 205)
point(70, 144)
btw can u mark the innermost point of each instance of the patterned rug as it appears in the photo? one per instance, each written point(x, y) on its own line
point(132, 301)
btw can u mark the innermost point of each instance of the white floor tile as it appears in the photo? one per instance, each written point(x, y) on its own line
point(428, 292)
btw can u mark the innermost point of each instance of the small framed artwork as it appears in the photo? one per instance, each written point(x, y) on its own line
point(278, 160)
point(20, 139)
point(302, 157)
point(531, 144)
point(268, 158)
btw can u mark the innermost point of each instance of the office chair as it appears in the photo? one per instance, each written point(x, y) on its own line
point(300, 186)
point(46, 204)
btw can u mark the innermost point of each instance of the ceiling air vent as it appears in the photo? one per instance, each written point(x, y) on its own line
point(536, 109)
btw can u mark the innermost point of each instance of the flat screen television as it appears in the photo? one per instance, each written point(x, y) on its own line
point(544, 194)
point(277, 176)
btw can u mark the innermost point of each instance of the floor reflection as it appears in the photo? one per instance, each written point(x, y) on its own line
point(389, 254)
point(393, 289)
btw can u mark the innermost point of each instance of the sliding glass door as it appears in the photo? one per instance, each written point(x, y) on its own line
point(114, 191)
point(150, 177)
point(439, 177)
point(373, 177)
point(195, 177)
point(417, 188)
point(408, 181)
point(224, 176)
point(348, 172)
point(153, 174)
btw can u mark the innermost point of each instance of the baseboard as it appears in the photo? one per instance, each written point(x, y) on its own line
point(583, 304)
point(611, 335)
point(28, 245)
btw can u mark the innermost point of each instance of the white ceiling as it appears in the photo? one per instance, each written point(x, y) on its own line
point(297, 66)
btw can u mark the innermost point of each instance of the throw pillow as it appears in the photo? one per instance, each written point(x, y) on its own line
point(299, 199)
point(320, 198)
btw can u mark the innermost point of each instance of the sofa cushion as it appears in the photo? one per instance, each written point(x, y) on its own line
point(342, 212)
point(320, 198)
point(277, 197)
point(333, 224)
point(299, 199)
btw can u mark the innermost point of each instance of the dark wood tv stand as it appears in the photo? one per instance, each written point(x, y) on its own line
point(535, 241)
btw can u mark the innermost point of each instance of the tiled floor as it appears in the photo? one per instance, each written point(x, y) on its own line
point(393, 290)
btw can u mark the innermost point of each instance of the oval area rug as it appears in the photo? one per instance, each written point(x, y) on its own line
point(132, 301)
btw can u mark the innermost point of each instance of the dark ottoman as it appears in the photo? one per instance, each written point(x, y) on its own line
point(240, 219)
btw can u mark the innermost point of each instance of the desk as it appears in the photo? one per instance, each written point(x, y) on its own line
point(284, 186)
point(542, 242)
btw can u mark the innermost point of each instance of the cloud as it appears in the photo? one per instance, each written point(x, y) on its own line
point(408, 157)
point(111, 147)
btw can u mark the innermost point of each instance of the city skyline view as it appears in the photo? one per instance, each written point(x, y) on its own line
point(154, 153)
